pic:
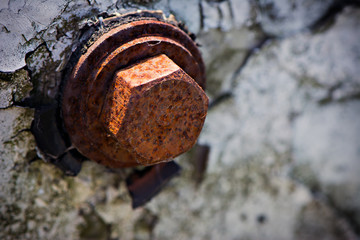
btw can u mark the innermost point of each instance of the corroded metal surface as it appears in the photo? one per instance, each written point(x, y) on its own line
point(134, 136)
point(155, 109)
point(144, 185)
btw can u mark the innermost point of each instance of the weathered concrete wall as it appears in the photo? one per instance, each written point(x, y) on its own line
point(283, 127)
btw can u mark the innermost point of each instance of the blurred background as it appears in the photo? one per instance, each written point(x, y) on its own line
point(283, 127)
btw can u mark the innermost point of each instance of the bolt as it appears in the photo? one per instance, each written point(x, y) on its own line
point(155, 109)
point(136, 96)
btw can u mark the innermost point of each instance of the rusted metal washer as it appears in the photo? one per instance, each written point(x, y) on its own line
point(92, 80)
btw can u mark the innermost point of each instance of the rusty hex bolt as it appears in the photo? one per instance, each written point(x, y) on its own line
point(155, 109)
point(139, 101)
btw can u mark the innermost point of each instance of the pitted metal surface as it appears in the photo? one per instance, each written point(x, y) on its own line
point(127, 138)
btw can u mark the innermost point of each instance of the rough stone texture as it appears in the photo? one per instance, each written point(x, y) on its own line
point(14, 87)
point(282, 17)
point(282, 126)
point(321, 141)
point(22, 28)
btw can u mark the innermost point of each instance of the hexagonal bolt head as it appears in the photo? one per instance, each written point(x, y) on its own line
point(154, 109)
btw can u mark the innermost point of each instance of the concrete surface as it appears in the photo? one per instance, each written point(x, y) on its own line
point(283, 126)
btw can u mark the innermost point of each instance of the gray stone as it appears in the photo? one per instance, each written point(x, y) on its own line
point(276, 85)
point(285, 107)
point(224, 54)
point(244, 203)
point(188, 12)
point(282, 17)
point(22, 27)
point(327, 140)
point(14, 143)
point(15, 87)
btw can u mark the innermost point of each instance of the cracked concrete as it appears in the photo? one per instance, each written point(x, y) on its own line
point(22, 29)
point(282, 129)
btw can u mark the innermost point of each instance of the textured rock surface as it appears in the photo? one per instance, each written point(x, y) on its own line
point(281, 17)
point(283, 127)
point(321, 141)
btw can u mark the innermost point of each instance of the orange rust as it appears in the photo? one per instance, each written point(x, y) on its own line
point(128, 83)
point(155, 109)
point(96, 105)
